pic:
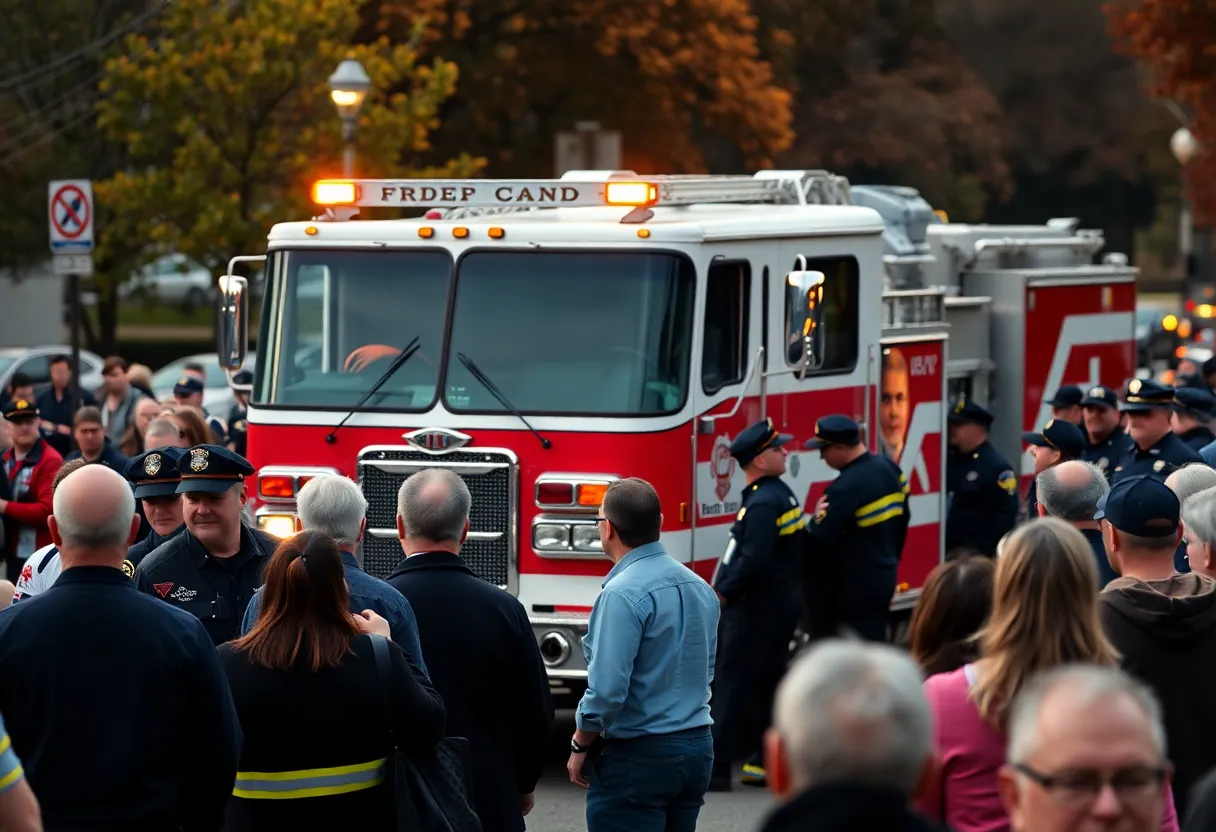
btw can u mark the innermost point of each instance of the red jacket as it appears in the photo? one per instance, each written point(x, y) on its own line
point(41, 465)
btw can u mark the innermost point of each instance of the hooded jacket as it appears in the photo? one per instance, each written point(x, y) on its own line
point(1166, 632)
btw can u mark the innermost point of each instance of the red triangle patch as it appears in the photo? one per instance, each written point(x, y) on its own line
point(162, 589)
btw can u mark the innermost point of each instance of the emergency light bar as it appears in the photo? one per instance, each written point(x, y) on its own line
point(481, 193)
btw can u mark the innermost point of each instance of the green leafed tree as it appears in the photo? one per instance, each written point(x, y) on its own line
point(226, 119)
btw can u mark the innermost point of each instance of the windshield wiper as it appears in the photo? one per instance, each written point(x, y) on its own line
point(481, 377)
point(405, 355)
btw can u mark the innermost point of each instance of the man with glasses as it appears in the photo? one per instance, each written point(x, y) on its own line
point(1086, 751)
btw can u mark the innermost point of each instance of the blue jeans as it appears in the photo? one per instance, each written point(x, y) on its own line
point(650, 784)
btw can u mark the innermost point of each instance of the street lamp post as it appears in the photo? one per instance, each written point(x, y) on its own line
point(1184, 146)
point(348, 86)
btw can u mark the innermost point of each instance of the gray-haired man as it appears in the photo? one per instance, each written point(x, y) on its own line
point(336, 506)
point(851, 742)
point(1071, 491)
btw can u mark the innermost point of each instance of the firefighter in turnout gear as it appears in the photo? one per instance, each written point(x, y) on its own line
point(982, 487)
point(757, 583)
point(211, 569)
point(1155, 450)
point(856, 536)
point(1106, 439)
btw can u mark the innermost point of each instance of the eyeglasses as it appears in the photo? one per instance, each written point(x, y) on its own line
point(1080, 787)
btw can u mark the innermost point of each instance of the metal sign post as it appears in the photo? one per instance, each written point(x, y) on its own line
point(70, 212)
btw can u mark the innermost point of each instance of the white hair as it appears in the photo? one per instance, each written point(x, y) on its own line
point(1190, 480)
point(113, 531)
point(1087, 684)
point(440, 520)
point(1199, 514)
point(334, 506)
point(852, 712)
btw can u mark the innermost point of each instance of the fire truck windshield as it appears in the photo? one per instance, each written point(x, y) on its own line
point(559, 332)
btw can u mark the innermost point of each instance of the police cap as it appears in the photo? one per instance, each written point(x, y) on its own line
point(1197, 400)
point(241, 381)
point(188, 385)
point(756, 439)
point(1146, 394)
point(154, 473)
point(210, 468)
point(1061, 435)
point(1188, 380)
point(18, 409)
point(1101, 397)
point(1141, 506)
point(836, 429)
point(965, 411)
point(1067, 396)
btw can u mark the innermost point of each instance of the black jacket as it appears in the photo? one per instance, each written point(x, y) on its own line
point(145, 547)
point(763, 560)
point(110, 457)
point(487, 667)
point(117, 708)
point(846, 808)
point(215, 591)
point(1166, 632)
point(983, 504)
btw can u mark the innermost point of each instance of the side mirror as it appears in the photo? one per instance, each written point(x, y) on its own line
point(232, 322)
point(804, 327)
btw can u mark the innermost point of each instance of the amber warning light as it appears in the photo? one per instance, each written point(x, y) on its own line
point(483, 193)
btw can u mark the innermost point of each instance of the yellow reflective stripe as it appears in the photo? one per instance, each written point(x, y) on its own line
point(903, 484)
point(798, 525)
point(5, 743)
point(11, 778)
point(880, 504)
point(316, 782)
point(875, 519)
point(790, 516)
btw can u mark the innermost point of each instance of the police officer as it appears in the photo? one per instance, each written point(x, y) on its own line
point(155, 478)
point(1105, 438)
point(211, 569)
point(1066, 404)
point(1155, 450)
point(982, 487)
point(1059, 441)
point(1194, 408)
point(189, 392)
point(856, 536)
point(1209, 373)
point(757, 582)
point(242, 385)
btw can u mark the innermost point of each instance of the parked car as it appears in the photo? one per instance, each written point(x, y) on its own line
point(172, 279)
point(35, 362)
point(217, 395)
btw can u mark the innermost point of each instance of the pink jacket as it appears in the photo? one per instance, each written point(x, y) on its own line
point(971, 752)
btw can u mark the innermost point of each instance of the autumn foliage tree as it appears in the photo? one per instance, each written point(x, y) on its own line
point(1173, 40)
point(226, 118)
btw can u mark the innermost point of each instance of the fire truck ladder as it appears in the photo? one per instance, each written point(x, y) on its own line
point(772, 187)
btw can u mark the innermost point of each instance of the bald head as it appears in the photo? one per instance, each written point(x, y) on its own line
point(94, 517)
point(1071, 490)
point(433, 511)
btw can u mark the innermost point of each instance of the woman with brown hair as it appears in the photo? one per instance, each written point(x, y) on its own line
point(133, 440)
point(953, 606)
point(311, 706)
point(191, 422)
point(1045, 614)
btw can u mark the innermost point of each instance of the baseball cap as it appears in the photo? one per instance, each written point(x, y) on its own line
point(1141, 506)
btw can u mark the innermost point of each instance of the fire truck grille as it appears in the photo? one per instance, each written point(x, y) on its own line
point(491, 477)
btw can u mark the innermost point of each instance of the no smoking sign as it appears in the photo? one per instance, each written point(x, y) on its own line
point(71, 216)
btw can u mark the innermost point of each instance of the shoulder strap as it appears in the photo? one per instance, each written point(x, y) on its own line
point(384, 681)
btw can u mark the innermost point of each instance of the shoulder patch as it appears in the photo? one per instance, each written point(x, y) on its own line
point(128, 568)
point(742, 512)
point(1008, 481)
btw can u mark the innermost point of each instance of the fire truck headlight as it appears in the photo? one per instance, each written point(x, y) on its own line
point(587, 538)
point(278, 525)
point(551, 536)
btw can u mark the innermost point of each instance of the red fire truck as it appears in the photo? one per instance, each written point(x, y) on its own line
point(544, 338)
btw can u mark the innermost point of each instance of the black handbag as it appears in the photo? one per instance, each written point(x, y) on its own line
point(427, 792)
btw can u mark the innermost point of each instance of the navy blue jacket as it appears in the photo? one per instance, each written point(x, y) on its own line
point(1162, 459)
point(110, 457)
point(137, 553)
point(983, 505)
point(117, 707)
point(763, 559)
point(1105, 454)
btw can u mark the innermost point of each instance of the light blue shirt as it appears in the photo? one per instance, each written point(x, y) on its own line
point(11, 772)
point(650, 649)
point(1208, 453)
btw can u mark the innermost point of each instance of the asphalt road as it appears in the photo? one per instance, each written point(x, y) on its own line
point(560, 804)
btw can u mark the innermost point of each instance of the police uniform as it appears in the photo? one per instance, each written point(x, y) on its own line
point(238, 425)
point(152, 474)
point(757, 579)
point(855, 539)
point(982, 488)
point(190, 385)
point(1167, 453)
point(1199, 404)
point(1058, 435)
point(1067, 396)
point(183, 573)
point(1106, 453)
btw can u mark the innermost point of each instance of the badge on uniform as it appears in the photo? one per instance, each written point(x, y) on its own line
point(742, 512)
point(128, 568)
point(198, 460)
point(972, 476)
point(1134, 386)
point(152, 464)
point(1008, 481)
point(1158, 465)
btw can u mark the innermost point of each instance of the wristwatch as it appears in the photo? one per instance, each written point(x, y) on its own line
point(576, 748)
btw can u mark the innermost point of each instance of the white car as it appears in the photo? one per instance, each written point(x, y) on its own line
point(35, 362)
point(173, 279)
point(217, 395)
